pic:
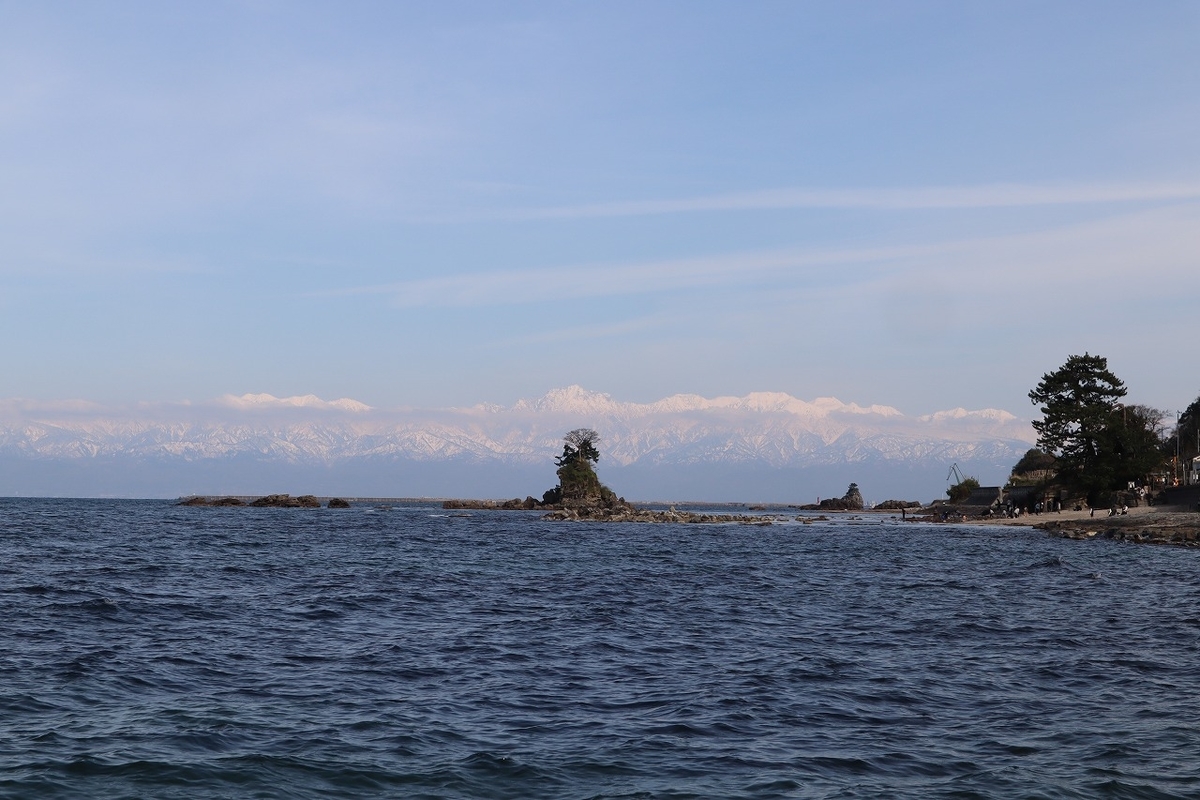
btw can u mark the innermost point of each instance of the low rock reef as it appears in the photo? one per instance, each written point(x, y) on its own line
point(629, 513)
point(598, 509)
point(270, 501)
point(1179, 528)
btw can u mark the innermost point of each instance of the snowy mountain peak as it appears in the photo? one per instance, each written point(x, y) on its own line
point(572, 399)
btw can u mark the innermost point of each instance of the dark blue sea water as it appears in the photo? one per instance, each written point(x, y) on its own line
point(152, 651)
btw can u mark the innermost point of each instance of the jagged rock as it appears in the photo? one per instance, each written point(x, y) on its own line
point(337, 502)
point(852, 500)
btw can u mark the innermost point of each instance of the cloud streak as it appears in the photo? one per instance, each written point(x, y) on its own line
point(606, 280)
point(1158, 243)
point(999, 195)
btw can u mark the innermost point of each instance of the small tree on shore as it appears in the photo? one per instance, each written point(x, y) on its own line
point(962, 490)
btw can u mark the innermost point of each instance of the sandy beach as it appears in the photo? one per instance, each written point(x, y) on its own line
point(1143, 514)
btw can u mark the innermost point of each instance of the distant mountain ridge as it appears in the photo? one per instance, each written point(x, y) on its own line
point(758, 432)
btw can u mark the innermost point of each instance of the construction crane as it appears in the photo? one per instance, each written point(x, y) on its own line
point(955, 472)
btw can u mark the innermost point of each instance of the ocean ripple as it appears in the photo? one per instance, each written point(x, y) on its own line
point(156, 651)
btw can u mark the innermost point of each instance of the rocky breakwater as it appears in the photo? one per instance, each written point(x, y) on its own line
point(1180, 528)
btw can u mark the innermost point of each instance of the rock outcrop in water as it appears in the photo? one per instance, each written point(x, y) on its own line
point(286, 501)
point(516, 504)
point(270, 501)
point(852, 500)
point(212, 501)
point(580, 496)
point(896, 505)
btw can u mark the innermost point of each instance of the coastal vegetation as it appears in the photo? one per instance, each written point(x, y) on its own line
point(962, 490)
point(1187, 433)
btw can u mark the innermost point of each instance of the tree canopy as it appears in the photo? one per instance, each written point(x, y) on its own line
point(1187, 429)
point(580, 445)
point(962, 490)
point(1034, 460)
point(1099, 443)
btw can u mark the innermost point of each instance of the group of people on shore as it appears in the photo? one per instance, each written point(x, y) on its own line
point(1011, 510)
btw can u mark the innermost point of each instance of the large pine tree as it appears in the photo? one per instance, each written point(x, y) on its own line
point(1099, 442)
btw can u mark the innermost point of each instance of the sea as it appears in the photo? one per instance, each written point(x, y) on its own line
point(398, 650)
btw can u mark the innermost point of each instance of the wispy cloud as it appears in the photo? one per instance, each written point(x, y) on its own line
point(1158, 242)
point(999, 195)
point(605, 280)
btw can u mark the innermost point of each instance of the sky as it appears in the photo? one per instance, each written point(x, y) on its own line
point(920, 204)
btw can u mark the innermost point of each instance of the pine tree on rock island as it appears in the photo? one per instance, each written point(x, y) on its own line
point(577, 480)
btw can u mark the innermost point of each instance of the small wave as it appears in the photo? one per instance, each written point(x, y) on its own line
point(99, 606)
point(320, 614)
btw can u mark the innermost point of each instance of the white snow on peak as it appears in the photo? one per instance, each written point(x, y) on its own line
point(572, 399)
point(252, 401)
point(679, 402)
point(874, 408)
point(576, 399)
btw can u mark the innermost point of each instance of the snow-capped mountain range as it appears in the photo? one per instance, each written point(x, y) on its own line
point(759, 433)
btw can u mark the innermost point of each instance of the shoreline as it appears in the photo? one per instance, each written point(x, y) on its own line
point(1168, 525)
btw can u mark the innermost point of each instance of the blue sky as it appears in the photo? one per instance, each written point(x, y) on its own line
point(925, 205)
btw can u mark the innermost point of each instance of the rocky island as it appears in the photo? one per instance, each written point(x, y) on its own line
point(581, 497)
